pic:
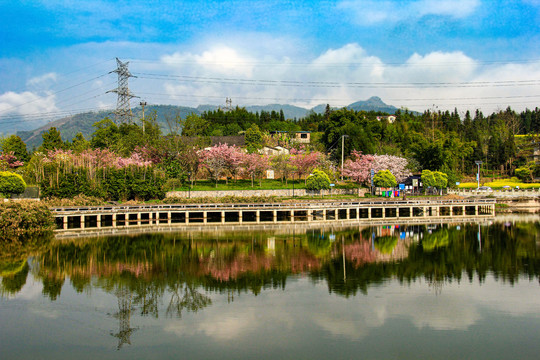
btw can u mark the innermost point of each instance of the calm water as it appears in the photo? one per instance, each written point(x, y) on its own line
point(405, 292)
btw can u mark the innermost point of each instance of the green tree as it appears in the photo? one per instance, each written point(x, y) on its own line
point(195, 126)
point(441, 180)
point(384, 179)
point(105, 135)
point(319, 180)
point(79, 143)
point(428, 179)
point(52, 140)
point(15, 144)
point(254, 139)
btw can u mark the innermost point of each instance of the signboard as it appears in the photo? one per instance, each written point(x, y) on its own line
point(415, 182)
point(401, 186)
point(269, 174)
point(332, 184)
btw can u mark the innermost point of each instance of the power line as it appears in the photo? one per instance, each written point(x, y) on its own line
point(366, 63)
point(333, 84)
point(51, 94)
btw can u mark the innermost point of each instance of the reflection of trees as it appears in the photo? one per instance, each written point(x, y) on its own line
point(436, 239)
point(52, 285)
point(156, 266)
point(14, 276)
point(386, 244)
point(186, 296)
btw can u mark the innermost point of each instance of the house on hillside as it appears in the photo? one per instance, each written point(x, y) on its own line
point(277, 150)
point(303, 137)
point(390, 118)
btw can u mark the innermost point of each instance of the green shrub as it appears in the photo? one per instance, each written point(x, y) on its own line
point(23, 218)
point(318, 181)
point(384, 179)
point(11, 183)
point(523, 173)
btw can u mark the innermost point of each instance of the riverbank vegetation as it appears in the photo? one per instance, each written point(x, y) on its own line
point(21, 219)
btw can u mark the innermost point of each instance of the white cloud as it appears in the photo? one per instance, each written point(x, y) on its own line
point(218, 60)
point(340, 76)
point(458, 306)
point(26, 103)
point(42, 80)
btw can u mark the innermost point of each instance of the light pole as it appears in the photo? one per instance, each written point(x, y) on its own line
point(478, 162)
point(189, 185)
point(143, 104)
point(342, 151)
point(293, 184)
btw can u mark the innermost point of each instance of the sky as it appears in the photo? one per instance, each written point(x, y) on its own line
point(57, 56)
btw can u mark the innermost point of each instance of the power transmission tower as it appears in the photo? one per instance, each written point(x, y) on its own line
point(228, 104)
point(123, 109)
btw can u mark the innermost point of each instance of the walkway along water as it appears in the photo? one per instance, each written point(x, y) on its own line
point(82, 219)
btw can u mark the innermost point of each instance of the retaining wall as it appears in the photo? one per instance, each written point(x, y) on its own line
point(267, 193)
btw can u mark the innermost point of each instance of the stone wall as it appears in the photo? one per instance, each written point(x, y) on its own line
point(277, 193)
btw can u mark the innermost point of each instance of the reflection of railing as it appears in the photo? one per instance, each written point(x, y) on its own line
point(79, 218)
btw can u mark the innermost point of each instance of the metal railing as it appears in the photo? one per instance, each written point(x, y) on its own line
point(306, 205)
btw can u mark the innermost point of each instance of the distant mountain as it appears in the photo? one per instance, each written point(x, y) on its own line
point(374, 103)
point(289, 111)
point(70, 126)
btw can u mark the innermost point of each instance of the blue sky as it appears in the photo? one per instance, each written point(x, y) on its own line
point(420, 54)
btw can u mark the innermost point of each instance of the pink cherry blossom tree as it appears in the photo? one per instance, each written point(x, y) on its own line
point(359, 166)
point(255, 165)
point(215, 160)
point(306, 162)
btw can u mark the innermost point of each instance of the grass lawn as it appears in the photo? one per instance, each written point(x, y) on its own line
point(266, 184)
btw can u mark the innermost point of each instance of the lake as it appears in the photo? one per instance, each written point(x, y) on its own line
point(438, 291)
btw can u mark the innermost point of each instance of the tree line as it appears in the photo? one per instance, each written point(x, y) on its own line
point(131, 156)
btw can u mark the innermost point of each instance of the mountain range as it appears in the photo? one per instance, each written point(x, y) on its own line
point(71, 125)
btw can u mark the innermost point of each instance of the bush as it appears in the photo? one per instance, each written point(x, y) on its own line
point(384, 179)
point(318, 181)
point(11, 183)
point(23, 218)
point(523, 173)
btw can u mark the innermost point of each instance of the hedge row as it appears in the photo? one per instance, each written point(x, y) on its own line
point(24, 218)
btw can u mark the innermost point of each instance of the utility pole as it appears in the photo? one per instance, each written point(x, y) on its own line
point(123, 109)
point(342, 152)
point(143, 104)
point(478, 162)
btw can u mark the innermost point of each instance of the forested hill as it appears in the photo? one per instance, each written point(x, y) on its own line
point(166, 114)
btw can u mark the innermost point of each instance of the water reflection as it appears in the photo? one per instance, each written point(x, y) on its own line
point(176, 274)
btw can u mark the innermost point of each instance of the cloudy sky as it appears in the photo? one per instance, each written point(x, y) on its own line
point(56, 55)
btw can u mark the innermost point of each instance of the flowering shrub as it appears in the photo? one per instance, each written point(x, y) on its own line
point(9, 161)
point(23, 218)
point(97, 173)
